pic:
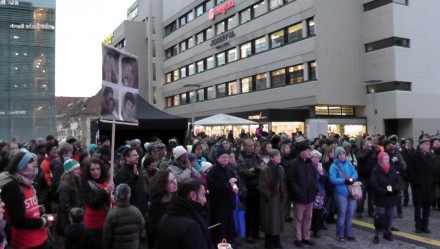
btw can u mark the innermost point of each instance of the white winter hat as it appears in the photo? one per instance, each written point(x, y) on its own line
point(205, 166)
point(178, 151)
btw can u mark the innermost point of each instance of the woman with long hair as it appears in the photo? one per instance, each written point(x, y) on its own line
point(286, 157)
point(28, 227)
point(68, 194)
point(266, 147)
point(162, 188)
point(96, 192)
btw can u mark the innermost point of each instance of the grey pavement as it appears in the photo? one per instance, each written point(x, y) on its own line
point(364, 235)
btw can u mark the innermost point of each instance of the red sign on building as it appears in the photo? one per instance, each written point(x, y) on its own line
point(220, 10)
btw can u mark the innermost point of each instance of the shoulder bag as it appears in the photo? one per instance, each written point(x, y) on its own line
point(355, 189)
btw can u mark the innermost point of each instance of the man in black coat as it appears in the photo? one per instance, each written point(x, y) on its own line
point(422, 180)
point(408, 151)
point(302, 182)
point(183, 226)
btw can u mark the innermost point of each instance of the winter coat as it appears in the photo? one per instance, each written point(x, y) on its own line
point(139, 193)
point(379, 181)
point(68, 199)
point(272, 201)
point(407, 155)
point(221, 202)
point(338, 180)
point(97, 202)
point(183, 227)
point(421, 174)
point(123, 227)
point(157, 210)
point(180, 172)
point(77, 236)
point(367, 160)
point(244, 164)
point(301, 180)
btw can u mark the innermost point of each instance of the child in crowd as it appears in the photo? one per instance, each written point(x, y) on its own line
point(76, 235)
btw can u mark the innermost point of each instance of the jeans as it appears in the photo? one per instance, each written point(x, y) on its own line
point(345, 208)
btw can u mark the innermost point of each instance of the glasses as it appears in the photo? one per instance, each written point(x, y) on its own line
point(134, 155)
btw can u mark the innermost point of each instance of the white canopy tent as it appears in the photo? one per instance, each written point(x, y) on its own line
point(224, 121)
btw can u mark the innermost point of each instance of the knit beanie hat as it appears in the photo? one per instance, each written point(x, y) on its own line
point(70, 165)
point(338, 151)
point(192, 157)
point(346, 144)
point(205, 166)
point(123, 192)
point(178, 151)
point(220, 151)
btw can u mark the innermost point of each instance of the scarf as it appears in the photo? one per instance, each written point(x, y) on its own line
point(385, 165)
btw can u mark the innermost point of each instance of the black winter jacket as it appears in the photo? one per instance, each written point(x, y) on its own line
point(183, 226)
point(379, 181)
point(421, 174)
point(77, 236)
point(301, 180)
point(367, 160)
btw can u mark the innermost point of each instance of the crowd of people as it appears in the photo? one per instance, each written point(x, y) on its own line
point(63, 194)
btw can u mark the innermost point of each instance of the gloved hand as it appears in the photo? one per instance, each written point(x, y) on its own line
point(348, 182)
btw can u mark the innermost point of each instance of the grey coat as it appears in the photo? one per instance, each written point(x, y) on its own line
point(272, 201)
point(123, 227)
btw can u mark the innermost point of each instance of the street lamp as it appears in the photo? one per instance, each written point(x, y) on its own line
point(371, 89)
point(195, 87)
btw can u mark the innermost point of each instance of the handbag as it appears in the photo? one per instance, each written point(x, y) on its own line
point(239, 223)
point(319, 200)
point(380, 221)
point(355, 190)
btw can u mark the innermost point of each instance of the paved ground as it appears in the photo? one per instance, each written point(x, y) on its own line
point(363, 231)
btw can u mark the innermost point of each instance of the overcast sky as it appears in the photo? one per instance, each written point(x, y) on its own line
point(81, 27)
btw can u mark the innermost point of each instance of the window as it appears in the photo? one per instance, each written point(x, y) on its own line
point(232, 88)
point(388, 42)
point(232, 55)
point(294, 32)
point(169, 102)
point(221, 90)
point(153, 67)
point(184, 99)
point(310, 27)
point(379, 3)
point(209, 33)
point(200, 37)
point(176, 74)
point(169, 53)
point(245, 15)
point(170, 28)
point(217, 2)
point(221, 60)
point(190, 16)
point(246, 85)
point(201, 95)
point(334, 110)
point(259, 9)
point(176, 100)
point(390, 86)
point(191, 97)
point(191, 69)
point(182, 21)
point(232, 22)
point(246, 50)
point(277, 39)
point(154, 47)
point(168, 78)
point(210, 92)
point(295, 74)
point(200, 66)
point(190, 42)
point(209, 4)
point(278, 77)
point(210, 62)
point(220, 28)
point(174, 48)
point(183, 72)
point(260, 45)
point(182, 46)
point(260, 81)
point(200, 10)
point(312, 70)
point(273, 4)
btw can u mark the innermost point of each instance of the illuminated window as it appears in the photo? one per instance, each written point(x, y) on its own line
point(168, 78)
point(176, 74)
point(294, 32)
point(183, 99)
point(154, 95)
point(176, 100)
point(260, 81)
point(232, 88)
point(278, 78)
point(334, 110)
point(277, 39)
point(312, 70)
point(310, 27)
point(295, 74)
point(169, 102)
point(246, 85)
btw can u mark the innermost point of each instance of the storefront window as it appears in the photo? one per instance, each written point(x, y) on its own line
point(287, 127)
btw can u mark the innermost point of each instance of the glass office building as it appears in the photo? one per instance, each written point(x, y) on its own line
point(27, 69)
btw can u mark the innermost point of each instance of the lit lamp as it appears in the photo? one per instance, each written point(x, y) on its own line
point(195, 87)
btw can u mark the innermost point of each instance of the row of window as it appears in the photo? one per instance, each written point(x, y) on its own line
point(278, 78)
point(229, 23)
point(334, 110)
point(276, 39)
point(247, 14)
point(389, 86)
point(388, 42)
point(379, 3)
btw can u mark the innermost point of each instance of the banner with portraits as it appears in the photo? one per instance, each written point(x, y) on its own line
point(120, 85)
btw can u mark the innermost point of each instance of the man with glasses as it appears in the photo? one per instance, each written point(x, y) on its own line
point(130, 174)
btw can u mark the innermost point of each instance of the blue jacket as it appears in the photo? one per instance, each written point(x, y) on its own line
point(338, 180)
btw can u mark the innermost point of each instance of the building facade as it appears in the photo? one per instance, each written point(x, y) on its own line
point(339, 66)
point(27, 71)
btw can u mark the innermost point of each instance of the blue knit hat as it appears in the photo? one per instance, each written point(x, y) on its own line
point(338, 151)
point(123, 192)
